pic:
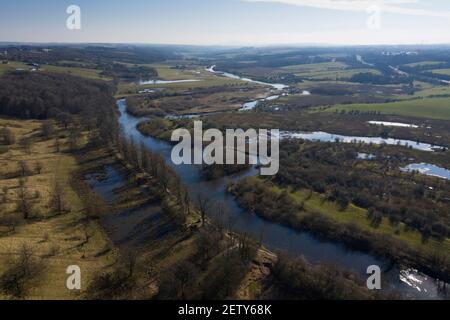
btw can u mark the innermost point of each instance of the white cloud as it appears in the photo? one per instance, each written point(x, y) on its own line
point(391, 6)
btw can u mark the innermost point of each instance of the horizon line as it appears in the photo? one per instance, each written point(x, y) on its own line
point(304, 44)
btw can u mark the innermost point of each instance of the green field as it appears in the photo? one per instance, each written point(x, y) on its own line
point(80, 72)
point(424, 90)
point(168, 72)
point(433, 108)
point(76, 71)
point(445, 72)
point(133, 88)
point(431, 91)
point(338, 74)
point(316, 67)
point(11, 66)
point(325, 70)
point(423, 63)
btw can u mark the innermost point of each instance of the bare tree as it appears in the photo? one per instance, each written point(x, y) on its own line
point(130, 261)
point(65, 119)
point(219, 210)
point(74, 136)
point(57, 201)
point(4, 198)
point(10, 221)
point(154, 163)
point(25, 143)
point(203, 204)
point(57, 145)
point(22, 271)
point(47, 129)
point(39, 166)
point(94, 205)
point(23, 168)
point(177, 187)
point(208, 244)
point(145, 161)
point(187, 201)
point(244, 246)
point(163, 176)
point(24, 204)
point(176, 281)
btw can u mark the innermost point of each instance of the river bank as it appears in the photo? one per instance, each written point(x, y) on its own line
point(276, 237)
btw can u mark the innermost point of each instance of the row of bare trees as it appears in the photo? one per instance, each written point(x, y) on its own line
point(175, 196)
point(228, 252)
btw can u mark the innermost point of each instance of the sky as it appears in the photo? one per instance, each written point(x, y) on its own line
point(229, 22)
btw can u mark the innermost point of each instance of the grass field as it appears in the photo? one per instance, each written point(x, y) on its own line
point(315, 67)
point(11, 66)
point(125, 89)
point(433, 108)
point(58, 241)
point(76, 71)
point(426, 90)
point(423, 63)
point(79, 64)
point(325, 70)
point(442, 71)
point(338, 74)
point(169, 72)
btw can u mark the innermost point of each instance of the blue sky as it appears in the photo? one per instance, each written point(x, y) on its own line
point(228, 22)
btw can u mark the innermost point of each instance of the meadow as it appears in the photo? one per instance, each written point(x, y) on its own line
point(433, 108)
point(445, 72)
point(56, 240)
point(77, 71)
point(11, 66)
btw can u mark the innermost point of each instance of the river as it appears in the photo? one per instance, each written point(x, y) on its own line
point(428, 169)
point(144, 82)
point(277, 86)
point(275, 236)
point(331, 137)
point(393, 124)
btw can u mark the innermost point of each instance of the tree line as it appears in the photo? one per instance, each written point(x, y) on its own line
point(41, 95)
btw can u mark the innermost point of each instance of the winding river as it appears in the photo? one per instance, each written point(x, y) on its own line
point(277, 86)
point(278, 237)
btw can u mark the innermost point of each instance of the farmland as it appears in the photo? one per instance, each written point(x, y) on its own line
point(432, 108)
